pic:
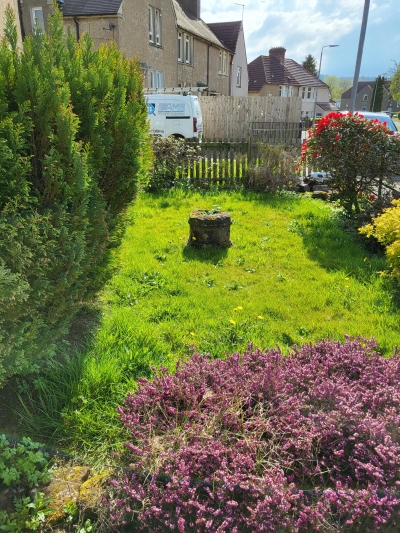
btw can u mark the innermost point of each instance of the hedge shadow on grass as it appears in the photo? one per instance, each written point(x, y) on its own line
point(210, 255)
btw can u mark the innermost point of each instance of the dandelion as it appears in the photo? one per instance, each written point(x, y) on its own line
point(232, 322)
point(193, 334)
point(260, 317)
point(238, 308)
point(346, 279)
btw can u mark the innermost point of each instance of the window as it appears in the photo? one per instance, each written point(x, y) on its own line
point(365, 98)
point(303, 93)
point(363, 108)
point(154, 26)
point(158, 27)
point(180, 46)
point(37, 18)
point(308, 93)
point(151, 25)
point(223, 63)
point(185, 48)
point(285, 90)
point(157, 79)
point(239, 77)
point(188, 55)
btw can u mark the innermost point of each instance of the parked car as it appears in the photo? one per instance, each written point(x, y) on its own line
point(318, 177)
point(382, 117)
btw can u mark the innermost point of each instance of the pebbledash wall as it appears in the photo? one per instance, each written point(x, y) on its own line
point(130, 30)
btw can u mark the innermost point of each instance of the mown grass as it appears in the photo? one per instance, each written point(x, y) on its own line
point(292, 276)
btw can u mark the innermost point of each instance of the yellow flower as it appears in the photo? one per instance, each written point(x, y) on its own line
point(346, 279)
point(232, 322)
point(193, 334)
point(238, 308)
point(193, 238)
point(260, 317)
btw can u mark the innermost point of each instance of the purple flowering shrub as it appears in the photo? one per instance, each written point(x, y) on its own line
point(265, 442)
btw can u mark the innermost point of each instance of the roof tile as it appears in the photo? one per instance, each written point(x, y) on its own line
point(227, 32)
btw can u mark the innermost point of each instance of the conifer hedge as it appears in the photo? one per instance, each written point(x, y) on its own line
point(74, 148)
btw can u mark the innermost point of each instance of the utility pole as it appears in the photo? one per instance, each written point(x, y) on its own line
point(359, 56)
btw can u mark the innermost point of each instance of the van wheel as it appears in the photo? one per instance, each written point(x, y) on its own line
point(177, 136)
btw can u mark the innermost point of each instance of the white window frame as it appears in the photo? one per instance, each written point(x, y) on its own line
point(223, 63)
point(156, 79)
point(303, 93)
point(365, 98)
point(36, 22)
point(309, 93)
point(180, 46)
point(157, 26)
point(188, 51)
point(239, 77)
point(151, 24)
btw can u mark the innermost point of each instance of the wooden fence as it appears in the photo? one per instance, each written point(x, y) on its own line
point(231, 117)
point(222, 165)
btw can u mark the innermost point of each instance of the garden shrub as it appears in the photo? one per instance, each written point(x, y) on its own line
point(275, 170)
point(73, 151)
point(358, 153)
point(172, 156)
point(386, 229)
point(263, 442)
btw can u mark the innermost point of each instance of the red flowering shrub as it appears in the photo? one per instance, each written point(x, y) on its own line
point(263, 442)
point(355, 151)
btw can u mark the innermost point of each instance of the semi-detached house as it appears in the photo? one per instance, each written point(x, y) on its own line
point(173, 44)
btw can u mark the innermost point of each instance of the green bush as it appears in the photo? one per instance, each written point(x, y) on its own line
point(73, 151)
point(275, 170)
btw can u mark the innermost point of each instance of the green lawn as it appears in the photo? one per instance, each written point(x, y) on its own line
point(291, 276)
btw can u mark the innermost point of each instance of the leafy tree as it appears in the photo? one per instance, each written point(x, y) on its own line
point(395, 84)
point(73, 150)
point(337, 86)
point(377, 94)
point(310, 63)
point(355, 151)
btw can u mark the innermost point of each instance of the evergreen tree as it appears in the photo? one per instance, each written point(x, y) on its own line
point(377, 94)
point(310, 63)
point(73, 148)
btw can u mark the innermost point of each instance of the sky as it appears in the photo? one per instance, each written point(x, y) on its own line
point(304, 26)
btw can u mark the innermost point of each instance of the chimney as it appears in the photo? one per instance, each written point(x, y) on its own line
point(192, 6)
point(278, 53)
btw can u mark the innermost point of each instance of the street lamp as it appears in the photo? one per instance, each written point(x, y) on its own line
point(319, 73)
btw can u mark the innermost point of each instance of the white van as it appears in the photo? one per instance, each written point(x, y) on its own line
point(175, 114)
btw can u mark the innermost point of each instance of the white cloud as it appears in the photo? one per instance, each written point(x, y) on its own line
point(304, 27)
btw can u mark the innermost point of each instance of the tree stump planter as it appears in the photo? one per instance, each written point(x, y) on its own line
point(209, 228)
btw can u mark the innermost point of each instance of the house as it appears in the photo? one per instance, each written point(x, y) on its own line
point(173, 45)
point(276, 75)
point(365, 95)
point(231, 35)
point(203, 60)
point(14, 4)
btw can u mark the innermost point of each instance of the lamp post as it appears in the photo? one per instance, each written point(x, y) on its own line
point(319, 73)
